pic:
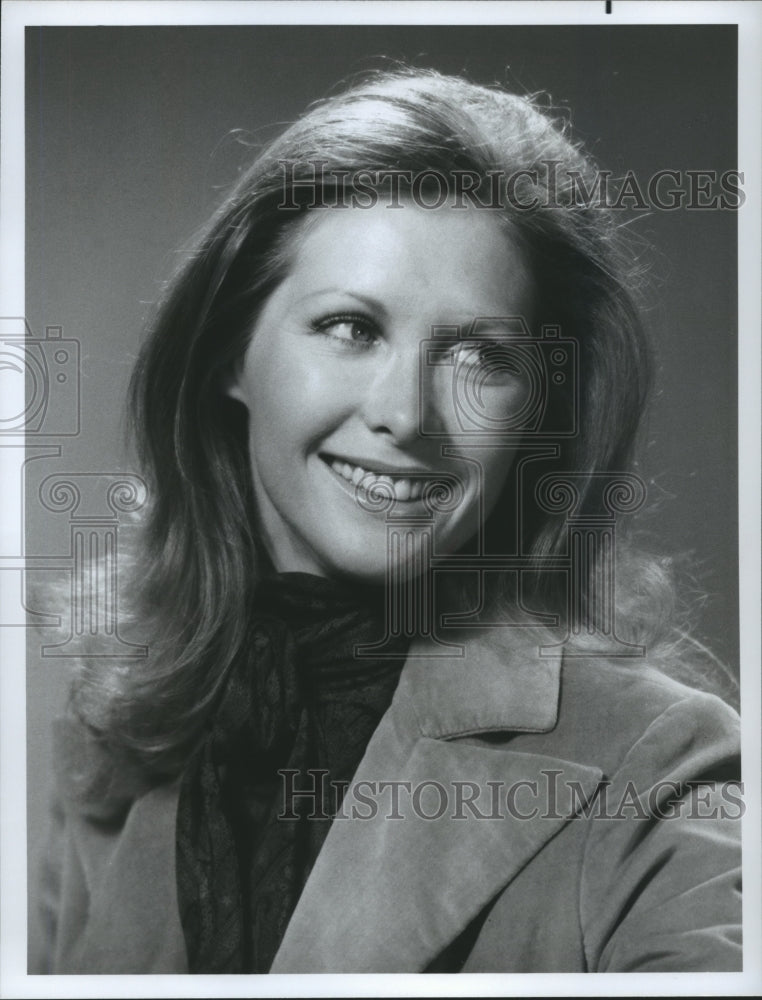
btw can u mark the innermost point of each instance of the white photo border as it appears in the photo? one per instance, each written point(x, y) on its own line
point(16, 15)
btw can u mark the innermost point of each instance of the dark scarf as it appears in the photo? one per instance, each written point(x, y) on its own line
point(303, 703)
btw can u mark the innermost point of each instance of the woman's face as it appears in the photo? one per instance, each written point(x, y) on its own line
point(342, 410)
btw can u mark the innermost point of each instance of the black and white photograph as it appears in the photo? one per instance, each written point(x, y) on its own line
point(380, 458)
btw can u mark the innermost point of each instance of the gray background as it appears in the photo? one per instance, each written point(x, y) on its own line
point(129, 147)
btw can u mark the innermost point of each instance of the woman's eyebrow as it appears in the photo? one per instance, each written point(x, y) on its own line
point(490, 325)
point(484, 327)
point(368, 300)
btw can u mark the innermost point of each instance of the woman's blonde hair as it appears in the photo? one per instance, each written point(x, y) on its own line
point(199, 557)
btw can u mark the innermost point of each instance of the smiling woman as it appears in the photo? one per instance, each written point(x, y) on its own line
point(332, 385)
point(395, 695)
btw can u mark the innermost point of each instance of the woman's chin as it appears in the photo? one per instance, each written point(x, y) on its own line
point(375, 564)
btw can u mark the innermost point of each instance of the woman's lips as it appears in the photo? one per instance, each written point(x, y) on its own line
point(406, 487)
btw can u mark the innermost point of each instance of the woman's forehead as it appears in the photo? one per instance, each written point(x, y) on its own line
point(468, 258)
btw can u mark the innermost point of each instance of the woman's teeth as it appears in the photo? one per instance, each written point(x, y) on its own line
point(403, 488)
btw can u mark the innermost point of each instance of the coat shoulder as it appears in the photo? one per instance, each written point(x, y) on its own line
point(646, 877)
point(608, 707)
point(93, 779)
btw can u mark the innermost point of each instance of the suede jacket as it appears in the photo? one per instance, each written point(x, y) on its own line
point(511, 814)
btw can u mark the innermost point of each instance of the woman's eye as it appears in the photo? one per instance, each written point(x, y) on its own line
point(491, 361)
point(350, 329)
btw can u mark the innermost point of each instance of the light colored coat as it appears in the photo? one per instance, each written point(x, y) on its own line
point(593, 880)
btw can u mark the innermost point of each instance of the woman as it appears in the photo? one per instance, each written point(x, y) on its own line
point(392, 719)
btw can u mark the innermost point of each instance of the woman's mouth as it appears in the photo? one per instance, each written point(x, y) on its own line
point(406, 488)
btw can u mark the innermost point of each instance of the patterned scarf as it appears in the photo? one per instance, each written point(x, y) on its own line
point(303, 704)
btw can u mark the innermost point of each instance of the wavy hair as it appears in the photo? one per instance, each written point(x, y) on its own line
point(199, 555)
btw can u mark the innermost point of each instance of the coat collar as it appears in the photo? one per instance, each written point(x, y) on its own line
point(499, 682)
point(390, 894)
point(392, 888)
point(492, 685)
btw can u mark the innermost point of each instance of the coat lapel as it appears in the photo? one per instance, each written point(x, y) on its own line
point(398, 880)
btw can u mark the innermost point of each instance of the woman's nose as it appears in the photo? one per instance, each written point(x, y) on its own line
point(392, 404)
